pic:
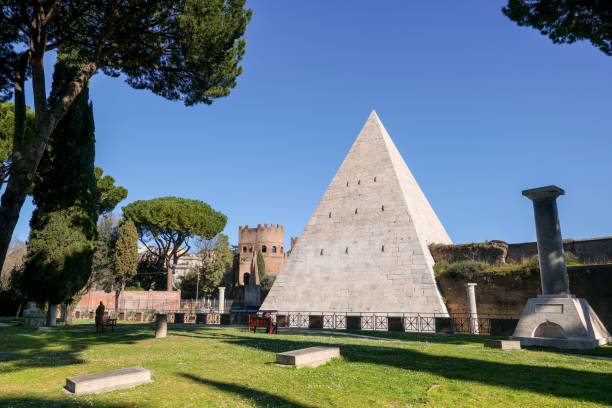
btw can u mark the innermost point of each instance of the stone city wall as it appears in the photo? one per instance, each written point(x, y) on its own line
point(588, 251)
point(133, 300)
point(508, 294)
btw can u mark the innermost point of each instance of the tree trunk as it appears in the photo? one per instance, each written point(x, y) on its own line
point(27, 153)
point(52, 315)
point(18, 310)
point(169, 278)
point(68, 316)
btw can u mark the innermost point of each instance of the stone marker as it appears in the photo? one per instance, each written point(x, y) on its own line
point(310, 357)
point(107, 381)
point(556, 318)
point(503, 344)
point(161, 325)
point(221, 299)
point(33, 317)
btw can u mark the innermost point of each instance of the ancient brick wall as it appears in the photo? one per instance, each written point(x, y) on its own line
point(133, 300)
point(508, 294)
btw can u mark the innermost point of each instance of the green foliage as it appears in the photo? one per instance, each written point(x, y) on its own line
point(150, 274)
point(7, 125)
point(566, 21)
point(102, 275)
point(171, 223)
point(110, 195)
point(162, 218)
point(126, 253)
point(215, 270)
point(63, 226)
point(571, 259)
point(265, 285)
point(59, 256)
point(261, 266)
point(472, 269)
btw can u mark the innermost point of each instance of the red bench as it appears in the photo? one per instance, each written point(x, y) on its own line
point(265, 322)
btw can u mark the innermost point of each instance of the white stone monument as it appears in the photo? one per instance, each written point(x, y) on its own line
point(33, 317)
point(365, 247)
point(556, 318)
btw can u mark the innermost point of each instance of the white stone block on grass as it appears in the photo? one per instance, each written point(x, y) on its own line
point(108, 381)
point(308, 357)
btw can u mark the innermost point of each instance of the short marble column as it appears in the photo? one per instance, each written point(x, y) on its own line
point(553, 272)
point(472, 312)
point(221, 299)
point(161, 325)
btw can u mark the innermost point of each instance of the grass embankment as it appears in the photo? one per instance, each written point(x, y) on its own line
point(216, 366)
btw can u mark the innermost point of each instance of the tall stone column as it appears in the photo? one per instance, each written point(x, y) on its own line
point(473, 313)
point(221, 299)
point(556, 318)
point(553, 272)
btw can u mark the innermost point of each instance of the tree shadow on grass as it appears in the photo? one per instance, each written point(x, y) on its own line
point(18, 402)
point(39, 349)
point(553, 381)
point(261, 398)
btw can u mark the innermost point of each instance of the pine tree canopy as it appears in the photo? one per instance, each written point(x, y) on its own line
point(566, 21)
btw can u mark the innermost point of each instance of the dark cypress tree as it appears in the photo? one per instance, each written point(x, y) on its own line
point(63, 225)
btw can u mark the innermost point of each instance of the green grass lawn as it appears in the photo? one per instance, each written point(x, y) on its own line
point(228, 367)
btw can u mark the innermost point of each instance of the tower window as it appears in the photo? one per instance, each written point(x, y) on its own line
point(346, 250)
point(359, 182)
point(355, 211)
point(347, 183)
point(375, 179)
point(264, 248)
point(321, 252)
point(250, 249)
point(244, 249)
point(273, 249)
point(383, 248)
point(382, 208)
point(282, 250)
point(246, 278)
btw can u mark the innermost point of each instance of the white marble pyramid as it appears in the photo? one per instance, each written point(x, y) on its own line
point(365, 248)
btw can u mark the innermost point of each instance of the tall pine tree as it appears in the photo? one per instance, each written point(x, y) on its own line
point(63, 225)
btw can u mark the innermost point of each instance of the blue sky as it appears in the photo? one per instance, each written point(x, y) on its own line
point(479, 108)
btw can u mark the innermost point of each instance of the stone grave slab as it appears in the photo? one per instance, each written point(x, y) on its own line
point(107, 381)
point(503, 344)
point(308, 357)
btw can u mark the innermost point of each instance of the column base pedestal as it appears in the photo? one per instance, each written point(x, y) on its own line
point(562, 322)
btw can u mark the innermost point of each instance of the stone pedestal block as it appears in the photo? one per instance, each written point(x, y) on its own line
point(107, 381)
point(562, 322)
point(33, 317)
point(310, 357)
point(503, 344)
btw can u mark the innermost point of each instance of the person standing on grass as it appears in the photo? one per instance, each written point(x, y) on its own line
point(100, 317)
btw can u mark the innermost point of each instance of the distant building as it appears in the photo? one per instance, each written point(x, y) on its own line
point(267, 240)
point(186, 263)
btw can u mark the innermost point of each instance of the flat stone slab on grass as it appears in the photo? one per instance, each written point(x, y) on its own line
point(308, 357)
point(107, 381)
point(503, 344)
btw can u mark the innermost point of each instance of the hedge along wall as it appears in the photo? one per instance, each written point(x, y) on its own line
point(508, 294)
point(588, 251)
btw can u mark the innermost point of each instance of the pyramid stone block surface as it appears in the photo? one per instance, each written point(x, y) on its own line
point(365, 248)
